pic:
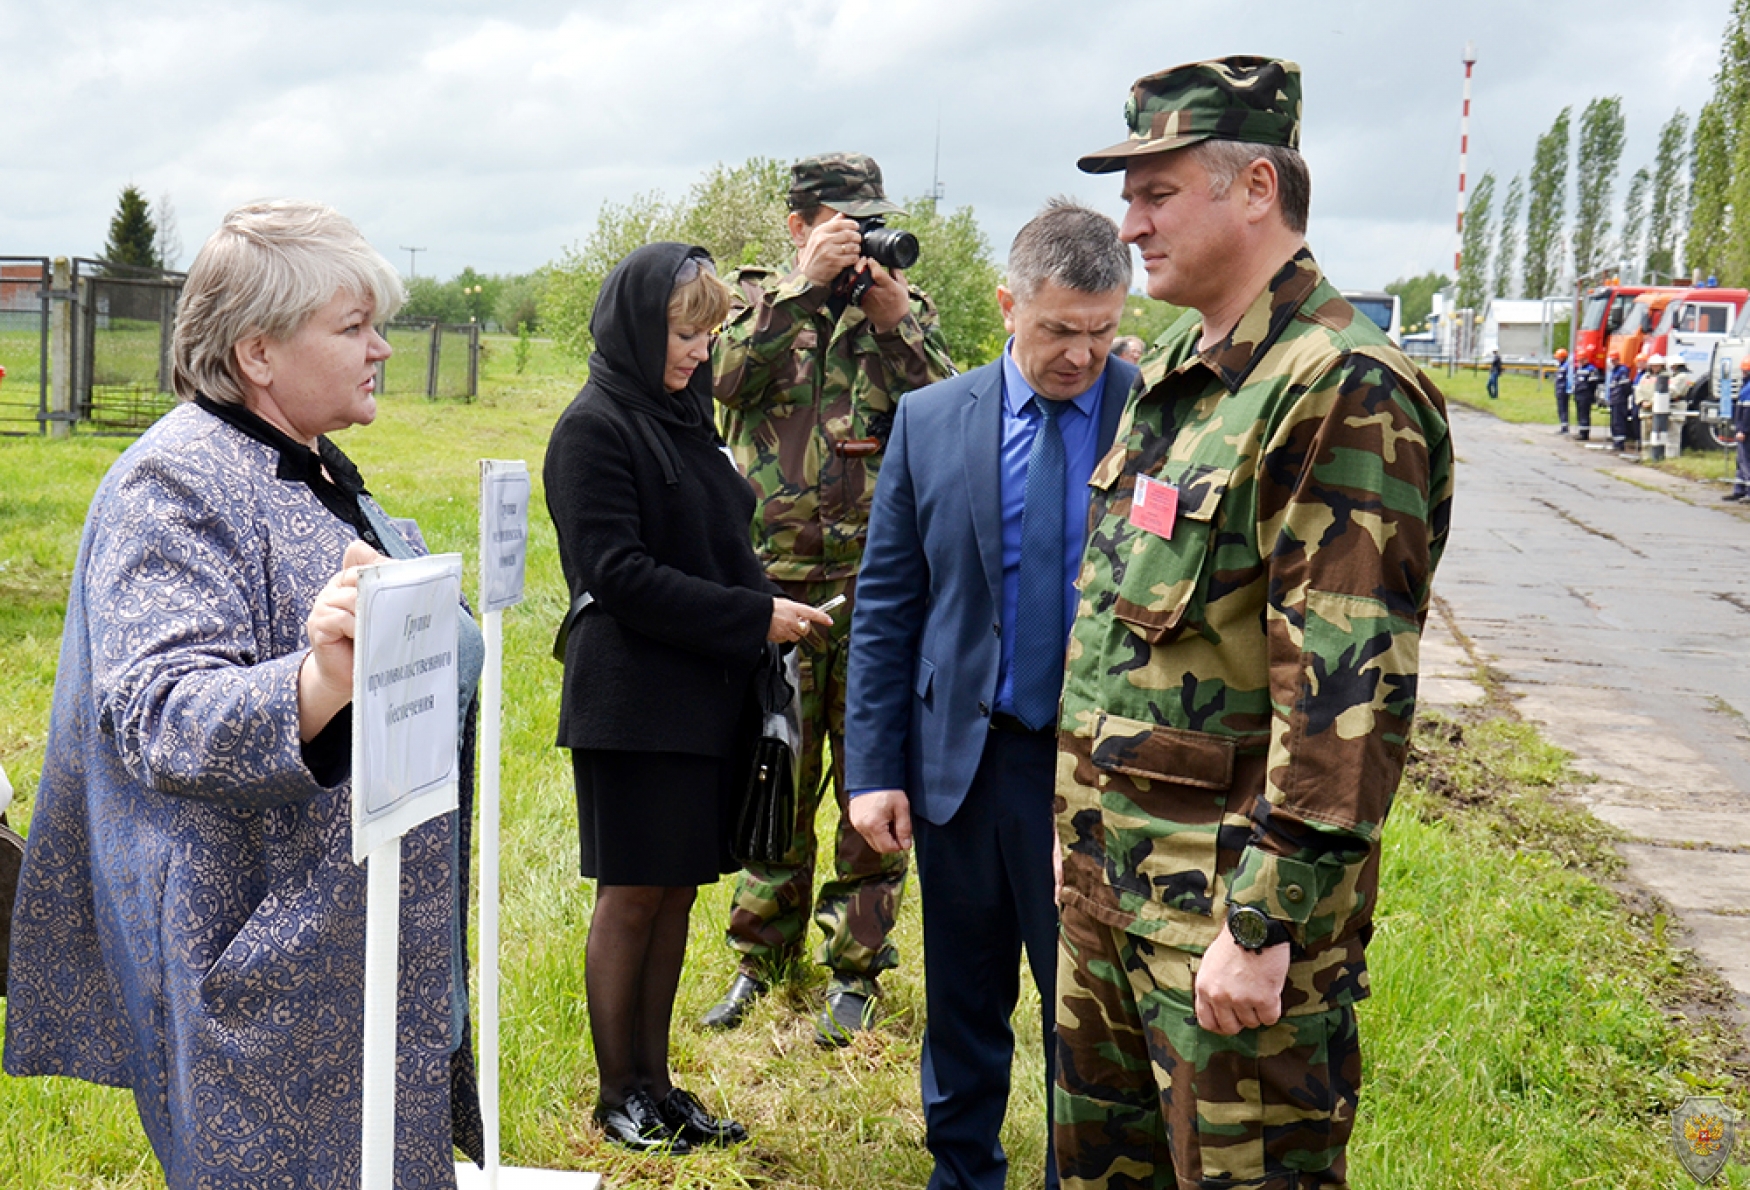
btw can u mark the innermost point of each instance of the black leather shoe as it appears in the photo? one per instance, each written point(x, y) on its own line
point(728, 1012)
point(639, 1124)
point(688, 1117)
point(846, 1014)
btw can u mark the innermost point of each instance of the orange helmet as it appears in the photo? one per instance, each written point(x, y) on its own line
point(1561, 354)
point(1744, 364)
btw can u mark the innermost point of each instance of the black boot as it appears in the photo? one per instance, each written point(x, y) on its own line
point(639, 1124)
point(688, 1117)
point(728, 1012)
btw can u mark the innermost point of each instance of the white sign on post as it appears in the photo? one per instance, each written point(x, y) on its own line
point(404, 770)
point(504, 532)
point(404, 689)
point(504, 535)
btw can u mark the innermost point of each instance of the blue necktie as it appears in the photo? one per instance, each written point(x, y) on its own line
point(1039, 627)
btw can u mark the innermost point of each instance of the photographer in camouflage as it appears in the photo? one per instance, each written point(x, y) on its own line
point(808, 379)
point(1242, 669)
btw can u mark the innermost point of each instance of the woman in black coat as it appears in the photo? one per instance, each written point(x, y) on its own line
point(670, 613)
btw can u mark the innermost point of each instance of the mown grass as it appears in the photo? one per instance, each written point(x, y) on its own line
point(1524, 398)
point(1521, 1033)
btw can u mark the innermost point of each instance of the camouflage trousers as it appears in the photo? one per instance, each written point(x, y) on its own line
point(857, 907)
point(1147, 1098)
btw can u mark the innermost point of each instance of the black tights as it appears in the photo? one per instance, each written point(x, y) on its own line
point(637, 941)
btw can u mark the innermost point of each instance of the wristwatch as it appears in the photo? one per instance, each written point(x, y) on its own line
point(1255, 930)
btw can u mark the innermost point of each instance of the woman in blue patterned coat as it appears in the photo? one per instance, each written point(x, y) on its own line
point(190, 924)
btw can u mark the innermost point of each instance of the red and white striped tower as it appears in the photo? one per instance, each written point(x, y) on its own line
point(1470, 60)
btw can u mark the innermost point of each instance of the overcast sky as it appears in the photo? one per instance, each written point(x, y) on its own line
point(490, 134)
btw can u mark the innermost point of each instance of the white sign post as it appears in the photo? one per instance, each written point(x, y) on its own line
point(504, 535)
point(404, 693)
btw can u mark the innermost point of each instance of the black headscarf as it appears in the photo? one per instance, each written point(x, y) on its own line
point(630, 327)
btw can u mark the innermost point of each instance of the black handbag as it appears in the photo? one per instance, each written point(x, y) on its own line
point(767, 814)
point(11, 860)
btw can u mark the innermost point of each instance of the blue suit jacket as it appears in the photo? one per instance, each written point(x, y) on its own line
point(926, 638)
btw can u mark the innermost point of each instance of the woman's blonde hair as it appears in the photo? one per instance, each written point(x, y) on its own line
point(269, 267)
point(701, 302)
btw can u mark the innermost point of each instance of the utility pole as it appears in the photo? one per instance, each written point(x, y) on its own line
point(1464, 326)
point(936, 169)
point(1470, 60)
point(412, 258)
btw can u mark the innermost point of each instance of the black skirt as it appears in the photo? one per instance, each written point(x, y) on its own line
point(653, 818)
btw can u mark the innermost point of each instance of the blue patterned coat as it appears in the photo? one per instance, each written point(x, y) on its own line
point(189, 922)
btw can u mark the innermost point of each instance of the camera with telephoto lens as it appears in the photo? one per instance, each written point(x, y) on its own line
point(887, 246)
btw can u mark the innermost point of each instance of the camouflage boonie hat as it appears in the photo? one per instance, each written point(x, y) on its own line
point(1245, 99)
point(847, 182)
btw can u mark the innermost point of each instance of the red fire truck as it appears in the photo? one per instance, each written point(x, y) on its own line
point(1602, 312)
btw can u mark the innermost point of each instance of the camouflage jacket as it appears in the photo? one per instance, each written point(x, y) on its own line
point(1239, 694)
point(801, 399)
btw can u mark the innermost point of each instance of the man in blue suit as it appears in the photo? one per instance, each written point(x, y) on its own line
point(956, 668)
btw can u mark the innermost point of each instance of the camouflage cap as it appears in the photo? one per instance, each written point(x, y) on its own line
point(846, 182)
point(1244, 98)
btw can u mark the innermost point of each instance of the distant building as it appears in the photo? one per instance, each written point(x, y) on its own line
point(1520, 328)
point(21, 303)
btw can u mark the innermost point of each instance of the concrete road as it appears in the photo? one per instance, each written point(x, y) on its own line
point(1615, 601)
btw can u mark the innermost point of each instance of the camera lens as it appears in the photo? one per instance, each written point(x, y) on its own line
point(890, 247)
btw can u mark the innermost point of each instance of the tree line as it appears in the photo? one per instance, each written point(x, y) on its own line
point(1687, 213)
point(737, 213)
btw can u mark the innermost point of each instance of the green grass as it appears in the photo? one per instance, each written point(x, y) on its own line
point(1712, 466)
point(127, 353)
point(1523, 398)
point(1520, 1035)
point(21, 356)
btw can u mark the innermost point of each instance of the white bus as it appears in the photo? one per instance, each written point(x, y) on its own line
point(1383, 308)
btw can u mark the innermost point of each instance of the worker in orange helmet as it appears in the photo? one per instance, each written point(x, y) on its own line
point(1564, 385)
point(1587, 378)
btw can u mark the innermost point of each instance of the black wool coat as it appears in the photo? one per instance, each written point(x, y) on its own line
point(652, 519)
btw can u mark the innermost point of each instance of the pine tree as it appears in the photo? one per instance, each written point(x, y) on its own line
point(1601, 137)
point(1667, 205)
point(1634, 222)
point(1544, 215)
point(1507, 248)
point(1473, 272)
point(1710, 176)
point(133, 239)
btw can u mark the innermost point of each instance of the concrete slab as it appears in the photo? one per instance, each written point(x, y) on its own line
point(1723, 943)
point(1709, 881)
point(1448, 676)
point(1650, 824)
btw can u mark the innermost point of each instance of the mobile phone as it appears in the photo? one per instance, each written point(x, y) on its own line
point(831, 604)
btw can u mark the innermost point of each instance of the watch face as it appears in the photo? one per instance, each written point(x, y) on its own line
point(1250, 928)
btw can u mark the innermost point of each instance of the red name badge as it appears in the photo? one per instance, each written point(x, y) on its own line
point(1154, 507)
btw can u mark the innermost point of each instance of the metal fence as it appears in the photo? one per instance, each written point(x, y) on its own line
point(436, 359)
point(25, 286)
point(108, 328)
point(121, 345)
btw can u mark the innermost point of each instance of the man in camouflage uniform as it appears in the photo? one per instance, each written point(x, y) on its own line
point(808, 381)
point(1242, 669)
